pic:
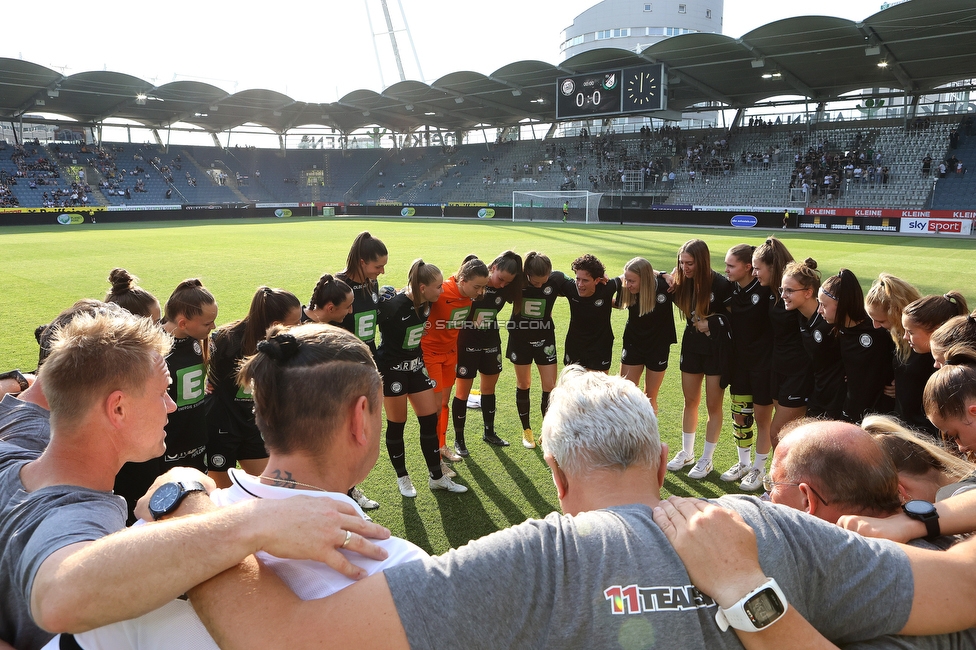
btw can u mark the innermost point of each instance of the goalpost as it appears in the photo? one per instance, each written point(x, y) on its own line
point(582, 206)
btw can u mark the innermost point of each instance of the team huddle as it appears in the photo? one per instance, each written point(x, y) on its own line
point(785, 343)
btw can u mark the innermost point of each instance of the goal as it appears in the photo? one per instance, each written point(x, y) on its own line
point(583, 206)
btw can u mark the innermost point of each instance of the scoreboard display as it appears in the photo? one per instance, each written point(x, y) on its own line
point(624, 91)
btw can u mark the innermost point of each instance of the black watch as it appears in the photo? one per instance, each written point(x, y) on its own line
point(168, 496)
point(926, 513)
point(17, 376)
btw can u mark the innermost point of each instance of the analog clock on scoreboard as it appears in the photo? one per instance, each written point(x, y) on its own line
point(643, 88)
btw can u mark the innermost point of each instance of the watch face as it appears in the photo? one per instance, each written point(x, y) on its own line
point(919, 508)
point(163, 498)
point(764, 608)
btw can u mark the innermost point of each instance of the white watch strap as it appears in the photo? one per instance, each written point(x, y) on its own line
point(736, 616)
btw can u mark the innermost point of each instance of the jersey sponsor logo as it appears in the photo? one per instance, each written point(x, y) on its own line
point(661, 298)
point(866, 340)
point(413, 335)
point(533, 308)
point(190, 384)
point(172, 458)
point(244, 393)
point(547, 290)
point(218, 460)
point(817, 336)
point(598, 303)
point(755, 298)
point(396, 387)
point(634, 599)
point(456, 320)
point(364, 325)
point(483, 318)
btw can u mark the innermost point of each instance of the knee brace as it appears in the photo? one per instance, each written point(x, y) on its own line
point(742, 407)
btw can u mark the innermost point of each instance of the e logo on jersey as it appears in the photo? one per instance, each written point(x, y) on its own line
point(413, 335)
point(364, 324)
point(533, 308)
point(865, 340)
point(190, 385)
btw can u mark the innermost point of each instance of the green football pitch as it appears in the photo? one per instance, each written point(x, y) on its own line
point(47, 268)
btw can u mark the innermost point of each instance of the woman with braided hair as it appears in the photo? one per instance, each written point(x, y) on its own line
point(331, 301)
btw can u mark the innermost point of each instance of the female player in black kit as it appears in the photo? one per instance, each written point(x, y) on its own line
point(480, 347)
point(589, 340)
point(884, 303)
point(402, 322)
point(532, 337)
point(701, 293)
point(649, 333)
point(751, 368)
point(134, 479)
point(800, 284)
point(366, 261)
point(865, 350)
point(232, 435)
point(191, 312)
point(792, 378)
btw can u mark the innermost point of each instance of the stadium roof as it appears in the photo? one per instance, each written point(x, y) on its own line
point(925, 45)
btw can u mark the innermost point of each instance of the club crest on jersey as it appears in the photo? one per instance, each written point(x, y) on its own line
point(462, 371)
point(547, 290)
point(755, 298)
point(196, 347)
point(623, 354)
point(396, 387)
point(661, 298)
point(498, 300)
point(817, 336)
point(711, 297)
point(865, 340)
point(550, 350)
point(217, 460)
point(599, 303)
point(376, 297)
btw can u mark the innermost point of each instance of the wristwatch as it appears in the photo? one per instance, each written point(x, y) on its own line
point(758, 609)
point(926, 513)
point(168, 496)
point(17, 376)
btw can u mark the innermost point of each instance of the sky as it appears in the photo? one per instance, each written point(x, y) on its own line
point(320, 51)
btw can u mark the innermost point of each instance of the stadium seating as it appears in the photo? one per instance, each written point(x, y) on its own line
point(492, 171)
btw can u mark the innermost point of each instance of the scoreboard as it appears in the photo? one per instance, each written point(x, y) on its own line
point(640, 89)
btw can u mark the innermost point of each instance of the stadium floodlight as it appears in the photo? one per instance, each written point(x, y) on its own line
point(583, 206)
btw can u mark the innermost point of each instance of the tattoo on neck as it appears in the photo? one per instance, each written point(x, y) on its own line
point(281, 478)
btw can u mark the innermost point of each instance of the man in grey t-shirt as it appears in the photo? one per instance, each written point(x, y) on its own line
point(601, 575)
point(25, 420)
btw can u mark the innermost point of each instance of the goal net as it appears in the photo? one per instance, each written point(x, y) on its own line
point(578, 206)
